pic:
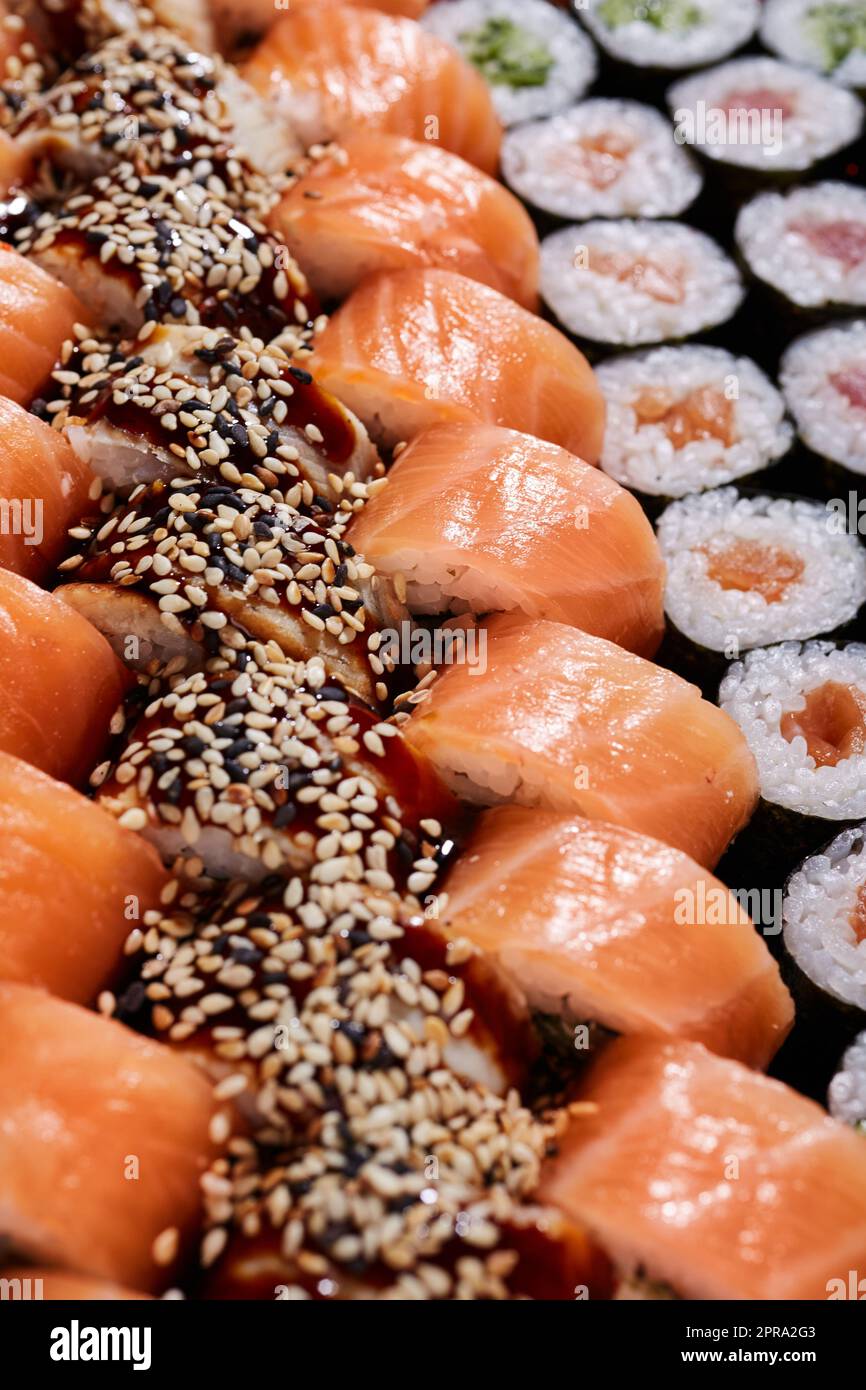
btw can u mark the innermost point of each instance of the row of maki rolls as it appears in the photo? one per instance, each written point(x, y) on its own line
point(695, 171)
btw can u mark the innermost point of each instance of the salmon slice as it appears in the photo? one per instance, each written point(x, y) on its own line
point(554, 717)
point(383, 202)
point(103, 1139)
point(60, 682)
point(334, 70)
point(34, 1282)
point(479, 519)
point(43, 491)
point(110, 877)
point(422, 347)
point(37, 314)
point(600, 924)
point(842, 239)
point(711, 1177)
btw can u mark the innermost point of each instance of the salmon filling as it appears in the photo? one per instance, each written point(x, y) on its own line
point(754, 568)
point(852, 385)
point(857, 920)
point(833, 723)
point(762, 99)
point(843, 240)
point(664, 283)
point(704, 414)
point(598, 160)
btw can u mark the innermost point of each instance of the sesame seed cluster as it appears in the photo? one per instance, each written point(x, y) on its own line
point(367, 1070)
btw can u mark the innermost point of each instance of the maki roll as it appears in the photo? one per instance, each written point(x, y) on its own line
point(633, 282)
point(824, 936)
point(823, 376)
point(683, 419)
point(535, 59)
point(822, 34)
point(601, 158)
point(744, 572)
point(802, 709)
point(846, 1097)
point(808, 244)
point(760, 114)
point(669, 34)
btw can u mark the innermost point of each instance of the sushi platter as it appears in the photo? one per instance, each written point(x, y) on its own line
point(433, 651)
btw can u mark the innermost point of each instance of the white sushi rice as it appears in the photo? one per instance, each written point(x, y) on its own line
point(826, 419)
point(820, 899)
point(773, 681)
point(573, 65)
point(625, 311)
point(813, 118)
point(807, 31)
point(641, 456)
point(828, 593)
point(602, 158)
point(846, 1098)
point(670, 33)
point(771, 237)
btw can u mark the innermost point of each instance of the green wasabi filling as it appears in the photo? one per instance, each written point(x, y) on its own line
point(678, 15)
point(507, 55)
point(837, 31)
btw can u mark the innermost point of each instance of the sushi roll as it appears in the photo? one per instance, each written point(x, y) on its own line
point(709, 1177)
point(601, 158)
point(802, 710)
point(823, 376)
point(627, 283)
point(105, 1137)
point(846, 1097)
point(333, 72)
point(745, 572)
point(382, 202)
point(477, 519)
point(472, 355)
point(681, 420)
point(669, 34)
point(762, 115)
point(824, 924)
point(823, 34)
point(809, 244)
point(631, 743)
point(536, 59)
point(111, 879)
point(44, 488)
point(594, 921)
point(61, 683)
point(37, 315)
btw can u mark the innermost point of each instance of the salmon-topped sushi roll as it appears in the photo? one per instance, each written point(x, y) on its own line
point(331, 70)
point(110, 878)
point(421, 347)
point(710, 1177)
point(547, 715)
point(104, 1137)
point(598, 924)
point(37, 315)
point(382, 202)
point(60, 682)
point(477, 519)
point(43, 491)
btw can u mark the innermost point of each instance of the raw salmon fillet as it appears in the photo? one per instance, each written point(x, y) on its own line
point(382, 202)
point(479, 519)
point(334, 70)
point(604, 925)
point(421, 347)
point(43, 491)
point(57, 842)
point(713, 1178)
point(37, 314)
point(551, 716)
point(103, 1138)
point(60, 682)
